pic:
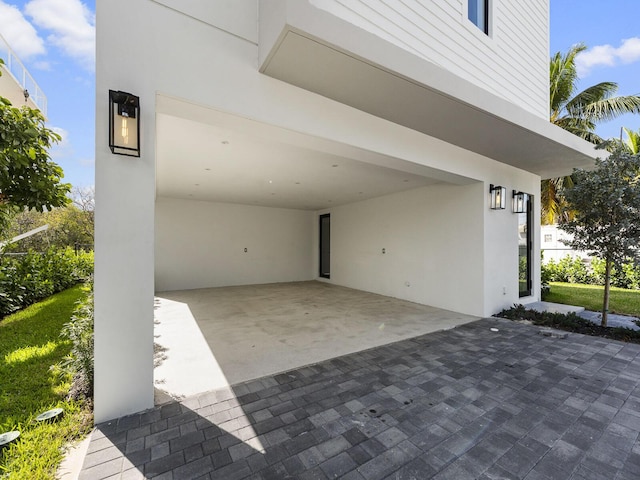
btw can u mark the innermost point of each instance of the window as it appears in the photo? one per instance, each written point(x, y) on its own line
point(478, 13)
point(525, 249)
point(548, 238)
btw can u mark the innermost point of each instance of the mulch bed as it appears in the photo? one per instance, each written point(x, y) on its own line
point(569, 322)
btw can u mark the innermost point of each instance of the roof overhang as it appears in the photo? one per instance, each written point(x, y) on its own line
point(319, 52)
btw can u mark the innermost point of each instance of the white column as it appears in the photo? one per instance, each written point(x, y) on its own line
point(124, 236)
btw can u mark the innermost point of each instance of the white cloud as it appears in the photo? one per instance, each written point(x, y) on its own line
point(72, 27)
point(629, 51)
point(19, 33)
point(608, 56)
point(63, 148)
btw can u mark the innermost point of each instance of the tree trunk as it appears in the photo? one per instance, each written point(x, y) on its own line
point(607, 282)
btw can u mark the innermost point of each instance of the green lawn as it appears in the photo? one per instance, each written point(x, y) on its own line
point(30, 343)
point(625, 302)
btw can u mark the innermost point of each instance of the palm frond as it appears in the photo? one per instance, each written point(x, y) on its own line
point(610, 108)
point(633, 141)
point(564, 78)
point(590, 95)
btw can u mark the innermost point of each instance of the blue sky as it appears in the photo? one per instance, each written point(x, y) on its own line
point(611, 31)
point(55, 39)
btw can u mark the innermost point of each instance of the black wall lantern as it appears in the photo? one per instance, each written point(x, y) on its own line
point(124, 123)
point(520, 201)
point(498, 197)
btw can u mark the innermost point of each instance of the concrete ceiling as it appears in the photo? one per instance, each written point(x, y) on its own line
point(241, 163)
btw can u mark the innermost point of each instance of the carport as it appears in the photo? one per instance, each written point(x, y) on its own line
point(242, 292)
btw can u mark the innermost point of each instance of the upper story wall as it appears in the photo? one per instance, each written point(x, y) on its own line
point(512, 61)
point(236, 17)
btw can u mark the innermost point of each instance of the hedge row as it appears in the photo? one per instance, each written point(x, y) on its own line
point(28, 278)
point(574, 270)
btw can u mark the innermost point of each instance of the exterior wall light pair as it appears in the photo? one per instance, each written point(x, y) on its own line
point(124, 124)
point(499, 199)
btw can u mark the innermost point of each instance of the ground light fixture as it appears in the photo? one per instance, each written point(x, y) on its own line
point(124, 123)
point(498, 197)
point(7, 437)
point(50, 415)
point(520, 200)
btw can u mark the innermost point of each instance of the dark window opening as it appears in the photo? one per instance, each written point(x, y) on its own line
point(478, 13)
point(325, 246)
point(525, 250)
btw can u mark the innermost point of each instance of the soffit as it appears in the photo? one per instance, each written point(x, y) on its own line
point(431, 100)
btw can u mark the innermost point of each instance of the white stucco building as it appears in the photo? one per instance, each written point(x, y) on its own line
point(16, 83)
point(264, 121)
point(553, 247)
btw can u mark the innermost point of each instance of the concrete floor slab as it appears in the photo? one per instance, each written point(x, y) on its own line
point(215, 337)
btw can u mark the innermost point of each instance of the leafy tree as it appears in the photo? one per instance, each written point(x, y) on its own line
point(69, 226)
point(607, 208)
point(28, 177)
point(578, 113)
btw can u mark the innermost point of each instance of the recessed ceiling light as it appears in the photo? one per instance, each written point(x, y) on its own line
point(225, 142)
point(270, 181)
point(405, 180)
point(334, 165)
point(197, 184)
point(359, 193)
point(297, 183)
point(208, 169)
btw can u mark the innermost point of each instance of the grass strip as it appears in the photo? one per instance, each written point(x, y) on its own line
point(621, 301)
point(30, 344)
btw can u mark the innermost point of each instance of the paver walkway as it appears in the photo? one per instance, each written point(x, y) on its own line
point(613, 320)
point(464, 403)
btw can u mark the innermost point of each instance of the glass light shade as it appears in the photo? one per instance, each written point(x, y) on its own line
point(498, 197)
point(520, 201)
point(124, 124)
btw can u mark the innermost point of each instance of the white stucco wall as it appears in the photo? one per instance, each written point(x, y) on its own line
point(443, 240)
point(511, 62)
point(216, 65)
point(201, 244)
point(431, 237)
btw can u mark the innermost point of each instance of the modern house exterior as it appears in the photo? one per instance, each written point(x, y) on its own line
point(359, 143)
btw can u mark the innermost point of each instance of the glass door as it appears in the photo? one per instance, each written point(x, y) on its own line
point(525, 249)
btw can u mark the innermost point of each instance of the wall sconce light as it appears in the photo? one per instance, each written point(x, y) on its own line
point(124, 123)
point(498, 197)
point(520, 201)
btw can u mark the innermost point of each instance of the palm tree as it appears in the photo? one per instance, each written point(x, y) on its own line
point(578, 113)
point(633, 141)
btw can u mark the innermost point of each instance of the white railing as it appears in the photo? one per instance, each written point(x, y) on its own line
point(17, 70)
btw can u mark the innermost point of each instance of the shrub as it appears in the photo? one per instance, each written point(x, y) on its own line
point(33, 276)
point(574, 270)
point(79, 363)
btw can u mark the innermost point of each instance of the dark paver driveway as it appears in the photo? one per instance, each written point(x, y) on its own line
point(464, 403)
